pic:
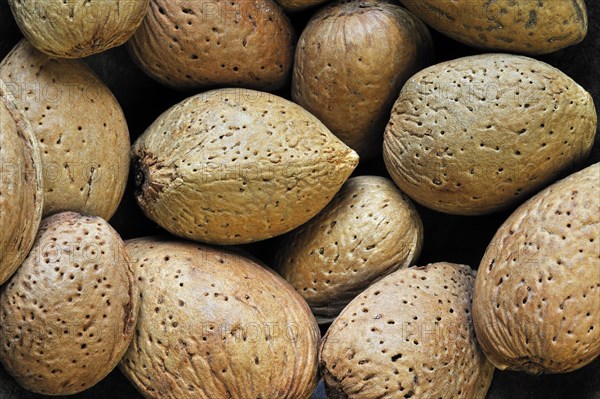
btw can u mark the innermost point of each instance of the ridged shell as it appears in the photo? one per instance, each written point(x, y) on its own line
point(216, 325)
point(351, 62)
point(21, 185)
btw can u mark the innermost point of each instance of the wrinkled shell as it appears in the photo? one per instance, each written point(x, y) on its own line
point(477, 134)
point(214, 325)
point(235, 165)
point(187, 44)
point(538, 289)
point(21, 195)
point(351, 62)
point(80, 128)
point(532, 27)
point(68, 314)
point(410, 335)
point(75, 28)
point(298, 5)
point(368, 230)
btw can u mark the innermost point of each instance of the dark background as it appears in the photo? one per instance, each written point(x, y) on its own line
point(448, 238)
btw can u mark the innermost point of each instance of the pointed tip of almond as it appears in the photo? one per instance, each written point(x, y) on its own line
point(347, 157)
point(353, 158)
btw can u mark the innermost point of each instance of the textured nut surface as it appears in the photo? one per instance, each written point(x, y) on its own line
point(76, 29)
point(476, 134)
point(410, 335)
point(21, 195)
point(236, 165)
point(351, 62)
point(80, 129)
point(187, 44)
point(368, 230)
point(538, 289)
point(214, 324)
point(68, 313)
point(523, 26)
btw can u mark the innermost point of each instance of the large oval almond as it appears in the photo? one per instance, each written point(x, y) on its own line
point(235, 165)
point(478, 134)
point(537, 293)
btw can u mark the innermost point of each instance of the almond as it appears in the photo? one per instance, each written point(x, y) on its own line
point(76, 29)
point(410, 335)
point(478, 134)
point(369, 229)
point(186, 44)
point(214, 324)
point(68, 313)
point(351, 62)
point(537, 292)
point(236, 165)
point(80, 129)
point(532, 27)
point(21, 185)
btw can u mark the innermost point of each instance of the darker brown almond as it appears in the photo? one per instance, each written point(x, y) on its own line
point(21, 185)
point(80, 129)
point(538, 288)
point(351, 62)
point(369, 230)
point(478, 134)
point(410, 335)
point(214, 324)
point(235, 165)
point(69, 312)
point(186, 45)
